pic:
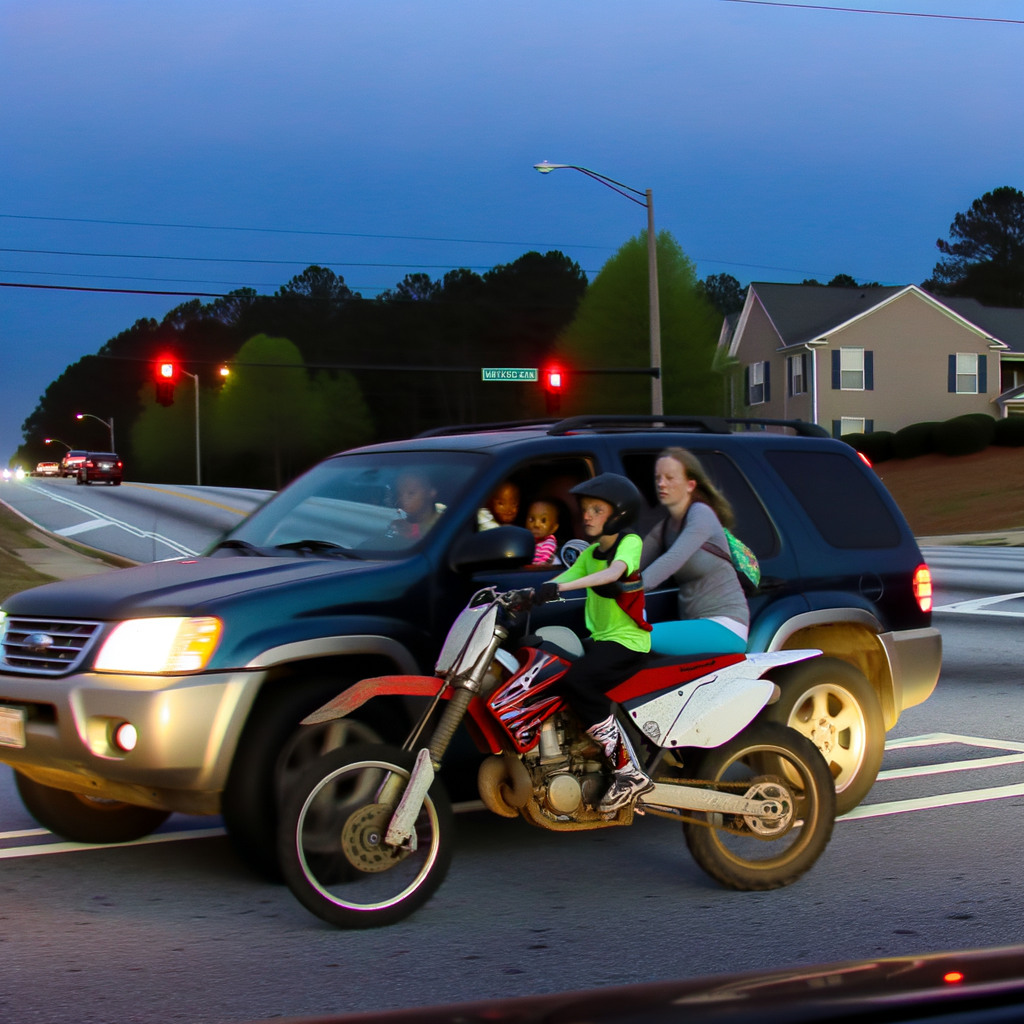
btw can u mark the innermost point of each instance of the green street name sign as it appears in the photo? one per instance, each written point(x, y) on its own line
point(528, 373)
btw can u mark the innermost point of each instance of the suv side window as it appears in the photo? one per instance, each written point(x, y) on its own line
point(753, 525)
point(837, 496)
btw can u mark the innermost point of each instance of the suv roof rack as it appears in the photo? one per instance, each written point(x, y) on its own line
point(699, 424)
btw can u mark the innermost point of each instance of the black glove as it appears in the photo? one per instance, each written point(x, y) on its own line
point(546, 592)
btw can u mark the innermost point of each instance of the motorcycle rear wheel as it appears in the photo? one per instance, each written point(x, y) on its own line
point(330, 840)
point(742, 859)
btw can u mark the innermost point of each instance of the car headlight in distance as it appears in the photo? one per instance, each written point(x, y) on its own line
point(160, 645)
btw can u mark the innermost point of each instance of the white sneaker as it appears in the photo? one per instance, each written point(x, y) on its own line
point(627, 784)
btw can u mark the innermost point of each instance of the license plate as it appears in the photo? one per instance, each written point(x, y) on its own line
point(106, 465)
point(12, 727)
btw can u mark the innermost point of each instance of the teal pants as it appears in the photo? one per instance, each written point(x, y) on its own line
point(695, 636)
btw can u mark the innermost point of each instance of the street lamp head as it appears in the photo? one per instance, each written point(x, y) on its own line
point(79, 416)
point(225, 371)
point(546, 168)
point(47, 440)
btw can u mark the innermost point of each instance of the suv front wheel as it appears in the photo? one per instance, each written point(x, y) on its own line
point(832, 703)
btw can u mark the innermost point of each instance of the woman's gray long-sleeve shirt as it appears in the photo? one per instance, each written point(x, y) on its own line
point(708, 586)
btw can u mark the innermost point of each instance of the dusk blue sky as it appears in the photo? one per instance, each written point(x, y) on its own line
point(780, 144)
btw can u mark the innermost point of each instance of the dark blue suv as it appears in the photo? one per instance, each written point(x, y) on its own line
point(179, 685)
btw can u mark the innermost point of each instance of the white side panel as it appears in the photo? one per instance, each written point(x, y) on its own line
point(761, 663)
point(717, 711)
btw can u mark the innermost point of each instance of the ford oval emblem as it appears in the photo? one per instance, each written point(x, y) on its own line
point(39, 643)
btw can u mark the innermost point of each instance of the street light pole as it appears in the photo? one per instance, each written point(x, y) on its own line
point(195, 380)
point(109, 426)
point(657, 403)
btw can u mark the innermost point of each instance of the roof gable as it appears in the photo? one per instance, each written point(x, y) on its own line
point(1004, 323)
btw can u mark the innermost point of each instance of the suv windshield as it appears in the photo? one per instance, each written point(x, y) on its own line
point(369, 503)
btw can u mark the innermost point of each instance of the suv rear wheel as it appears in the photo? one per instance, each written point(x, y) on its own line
point(832, 703)
point(273, 752)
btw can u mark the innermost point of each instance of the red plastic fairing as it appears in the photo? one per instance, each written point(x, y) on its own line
point(380, 686)
point(523, 703)
point(650, 679)
point(482, 728)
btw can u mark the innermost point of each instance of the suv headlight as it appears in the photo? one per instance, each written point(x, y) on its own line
point(160, 645)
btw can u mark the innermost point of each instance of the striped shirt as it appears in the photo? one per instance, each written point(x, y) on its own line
point(544, 551)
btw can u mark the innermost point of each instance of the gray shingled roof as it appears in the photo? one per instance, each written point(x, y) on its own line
point(803, 312)
point(1005, 324)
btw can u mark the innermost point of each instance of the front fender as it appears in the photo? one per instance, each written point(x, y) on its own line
point(379, 686)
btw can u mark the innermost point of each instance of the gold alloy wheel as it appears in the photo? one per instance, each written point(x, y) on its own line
point(832, 719)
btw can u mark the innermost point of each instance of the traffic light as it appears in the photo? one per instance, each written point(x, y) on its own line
point(554, 385)
point(167, 371)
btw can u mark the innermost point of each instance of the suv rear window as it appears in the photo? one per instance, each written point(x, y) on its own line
point(753, 526)
point(837, 496)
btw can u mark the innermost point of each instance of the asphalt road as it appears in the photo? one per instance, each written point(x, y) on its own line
point(143, 522)
point(179, 930)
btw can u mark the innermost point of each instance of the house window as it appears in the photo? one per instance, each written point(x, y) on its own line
point(851, 369)
point(851, 425)
point(797, 364)
point(757, 389)
point(966, 373)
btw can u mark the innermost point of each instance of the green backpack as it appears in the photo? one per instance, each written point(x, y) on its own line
point(744, 561)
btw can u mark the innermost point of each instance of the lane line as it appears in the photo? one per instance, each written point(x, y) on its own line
point(25, 833)
point(949, 766)
point(189, 497)
point(127, 527)
point(161, 837)
point(970, 796)
point(982, 606)
point(73, 531)
point(935, 739)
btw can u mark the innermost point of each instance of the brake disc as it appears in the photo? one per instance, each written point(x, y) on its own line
point(780, 810)
point(362, 839)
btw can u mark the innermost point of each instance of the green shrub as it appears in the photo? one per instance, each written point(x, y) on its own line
point(964, 435)
point(1010, 432)
point(876, 446)
point(917, 439)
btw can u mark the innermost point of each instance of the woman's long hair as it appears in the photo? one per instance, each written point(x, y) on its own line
point(705, 490)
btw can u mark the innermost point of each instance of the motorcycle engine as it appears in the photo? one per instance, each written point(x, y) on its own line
point(566, 776)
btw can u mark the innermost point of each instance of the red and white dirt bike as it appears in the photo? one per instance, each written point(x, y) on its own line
point(366, 833)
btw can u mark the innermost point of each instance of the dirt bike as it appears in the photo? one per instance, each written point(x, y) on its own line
point(366, 833)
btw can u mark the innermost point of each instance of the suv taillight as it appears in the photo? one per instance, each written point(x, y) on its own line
point(923, 587)
point(89, 464)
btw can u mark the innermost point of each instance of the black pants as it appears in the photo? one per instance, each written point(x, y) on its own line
point(603, 666)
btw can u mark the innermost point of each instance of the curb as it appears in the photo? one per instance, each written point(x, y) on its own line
point(999, 538)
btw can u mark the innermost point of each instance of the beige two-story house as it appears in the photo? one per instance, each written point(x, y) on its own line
point(857, 359)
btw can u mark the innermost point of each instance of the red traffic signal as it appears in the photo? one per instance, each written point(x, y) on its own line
point(553, 381)
point(166, 372)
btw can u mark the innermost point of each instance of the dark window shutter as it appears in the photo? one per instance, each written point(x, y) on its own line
point(789, 376)
point(746, 385)
point(982, 374)
point(767, 381)
point(803, 371)
point(952, 375)
point(837, 428)
point(869, 426)
point(869, 371)
point(836, 376)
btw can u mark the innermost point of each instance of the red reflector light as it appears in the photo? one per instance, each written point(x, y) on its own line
point(952, 977)
point(923, 587)
point(865, 460)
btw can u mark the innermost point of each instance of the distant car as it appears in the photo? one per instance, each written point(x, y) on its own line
point(71, 461)
point(6, 474)
point(48, 469)
point(100, 466)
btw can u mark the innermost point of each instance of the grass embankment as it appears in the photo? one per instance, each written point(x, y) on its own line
point(15, 575)
point(942, 494)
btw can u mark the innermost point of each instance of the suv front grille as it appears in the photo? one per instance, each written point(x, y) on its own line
point(69, 639)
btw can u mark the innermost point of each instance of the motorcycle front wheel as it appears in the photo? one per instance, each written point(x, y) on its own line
point(331, 839)
point(774, 761)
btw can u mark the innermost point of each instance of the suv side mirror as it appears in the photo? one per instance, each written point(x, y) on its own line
point(506, 547)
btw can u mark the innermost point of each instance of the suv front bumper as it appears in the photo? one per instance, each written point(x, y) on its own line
point(188, 728)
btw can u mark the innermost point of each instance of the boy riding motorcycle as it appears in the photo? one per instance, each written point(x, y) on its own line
point(614, 612)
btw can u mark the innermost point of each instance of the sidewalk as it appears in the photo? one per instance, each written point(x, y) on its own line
point(55, 559)
point(1004, 538)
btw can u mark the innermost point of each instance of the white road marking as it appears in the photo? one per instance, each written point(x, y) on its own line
point(25, 833)
point(93, 524)
point(935, 739)
point(160, 837)
point(982, 606)
point(970, 796)
point(950, 766)
point(127, 527)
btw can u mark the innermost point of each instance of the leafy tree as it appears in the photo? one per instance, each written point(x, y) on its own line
point(842, 281)
point(724, 292)
point(163, 438)
point(612, 328)
point(985, 257)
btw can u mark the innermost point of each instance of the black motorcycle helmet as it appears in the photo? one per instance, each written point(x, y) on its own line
point(619, 492)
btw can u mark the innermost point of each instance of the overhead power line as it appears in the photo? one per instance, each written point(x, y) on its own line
point(296, 231)
point(115, 291)
point(865, 10)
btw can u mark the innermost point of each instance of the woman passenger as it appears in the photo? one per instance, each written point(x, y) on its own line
point(690, 546)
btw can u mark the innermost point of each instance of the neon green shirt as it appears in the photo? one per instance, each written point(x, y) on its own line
point(605, 619)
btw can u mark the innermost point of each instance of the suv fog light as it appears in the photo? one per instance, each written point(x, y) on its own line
point(125, 737)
